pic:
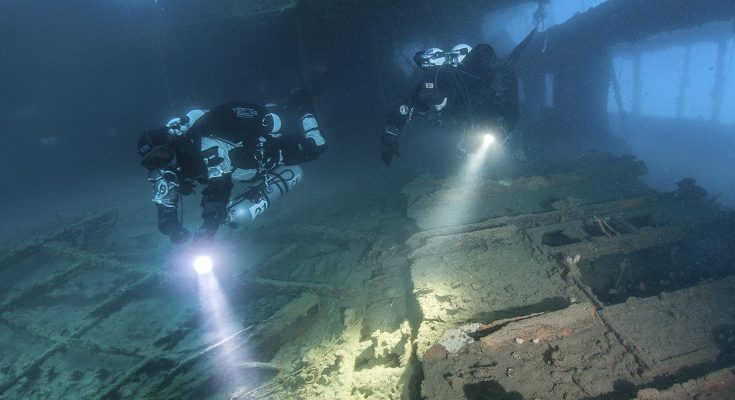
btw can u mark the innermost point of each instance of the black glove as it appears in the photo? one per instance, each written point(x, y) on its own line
point(390, 146)
point(214, 214)
point(295, 149)
point(204, 236)
point(168, 224)
point(214, 207)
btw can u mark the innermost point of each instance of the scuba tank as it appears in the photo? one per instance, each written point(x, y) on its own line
point(256, 199)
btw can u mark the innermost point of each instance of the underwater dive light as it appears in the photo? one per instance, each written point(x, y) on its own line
point(203, 264)
point(487, 140)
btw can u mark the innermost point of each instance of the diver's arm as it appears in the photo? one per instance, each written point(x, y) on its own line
point(306, 145)
point(401, 115)
point(214, 206)
point(166, 198)
point(169, 225)
point(394, 124)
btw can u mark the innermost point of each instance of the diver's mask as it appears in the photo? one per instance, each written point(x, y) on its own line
point(155, 149)
point(159, 157)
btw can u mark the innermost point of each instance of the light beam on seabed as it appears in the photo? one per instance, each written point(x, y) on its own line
point(462, 199)
point(227, 334)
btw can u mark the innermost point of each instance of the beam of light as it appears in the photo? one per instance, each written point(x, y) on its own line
point(459, 204)
point(203, 264)
point(223, 328)
point(478, 157)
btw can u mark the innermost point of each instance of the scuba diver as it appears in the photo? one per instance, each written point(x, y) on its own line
point(472, 86)
point(233, 142)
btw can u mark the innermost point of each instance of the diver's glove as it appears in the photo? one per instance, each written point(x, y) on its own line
point(214, 215)
point(169, 225)
point(293, 149)
point(204, 236)
point(389, 141)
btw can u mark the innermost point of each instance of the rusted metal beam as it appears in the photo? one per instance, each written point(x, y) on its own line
point(538, 327)
point(623, 244)
point(549, 326)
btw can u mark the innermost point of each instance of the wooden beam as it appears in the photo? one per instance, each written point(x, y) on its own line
point(263, 341)
point(96, 225)
point(526, 221)
point(293, 287)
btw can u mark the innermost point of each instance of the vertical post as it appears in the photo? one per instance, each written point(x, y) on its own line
point(719, 81)
point(549, 86)
point(683, 84)
point(618, 98)
point(637, 83)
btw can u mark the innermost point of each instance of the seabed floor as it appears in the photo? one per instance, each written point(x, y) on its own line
point(577, 283)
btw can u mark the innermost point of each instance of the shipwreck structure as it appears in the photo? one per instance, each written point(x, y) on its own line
point(574, 280)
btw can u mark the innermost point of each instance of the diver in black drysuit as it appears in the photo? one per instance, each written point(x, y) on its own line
point(238, 141)
point(478, 91)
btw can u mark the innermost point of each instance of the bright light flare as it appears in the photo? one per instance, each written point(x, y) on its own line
point(477, 158)
point(203, 264)
point(465, 194)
